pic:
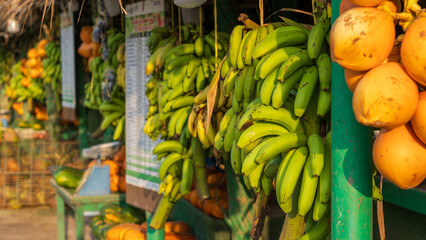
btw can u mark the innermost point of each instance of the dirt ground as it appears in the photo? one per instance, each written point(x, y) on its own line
point(36, 224)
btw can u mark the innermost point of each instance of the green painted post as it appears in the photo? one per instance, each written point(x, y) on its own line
point(79, 222)
point(60, 215)
point(153, 234)
point(351, 200)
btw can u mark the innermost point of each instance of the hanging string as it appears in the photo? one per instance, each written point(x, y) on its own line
point(261, 12)
point(200, 13)
point(215, 33)
point(180, 27)
point(173, 15)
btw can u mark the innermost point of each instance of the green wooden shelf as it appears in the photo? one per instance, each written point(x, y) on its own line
point(413, 199)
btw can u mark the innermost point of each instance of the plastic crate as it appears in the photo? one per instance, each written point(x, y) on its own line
point(24, 173)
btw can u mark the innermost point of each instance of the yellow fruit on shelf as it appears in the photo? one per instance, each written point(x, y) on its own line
point(386, 97)
point(362, 38)
point(367, 3)
point(352, 78)
point(419, 119)
point(400, 156)
point(413, 50)
point(32, 53)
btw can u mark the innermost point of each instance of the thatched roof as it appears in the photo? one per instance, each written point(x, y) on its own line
point(25, 11)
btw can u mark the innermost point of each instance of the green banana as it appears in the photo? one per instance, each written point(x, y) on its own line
point(150, 66)
point(178, 103)
point(266, 184)
point(236, 158)
point(169, 146)
point(119, 129)
point(180, 61)
point(187, 176)
point(184, 49)
point(262, 32)
point(259, 130)
point(200, 81)
point(273, 60)
point(271, 168)
point(229, 135)
point(234, 44)
point(289, 179)
point(243, 46)
point(239, 84)
point(225, 67)
point(252, 145)
point(324, 71)
point(316, 150)
point(319, 231)
point(249, 84)
point(199, 47)
point(281, 37)
point(181, 122)
point(229, 81)
point(268, 87)
point(167, 163)
point(269, 114)
point(306, 90)
point(255, 176)
point(292, 63)
point(218, 141)
point(201, 130)
point(282, 89)
point(248, 49)
point(307, 189)
point(226, 121)
point(202, 95)
point(317, 37)
point(249, 163)
point(280, 144)
point(319, 209)
point(110, 118)
point(282, 169)
point(325, 177)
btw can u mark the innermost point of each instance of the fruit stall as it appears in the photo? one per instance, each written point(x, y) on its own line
point(215, 119)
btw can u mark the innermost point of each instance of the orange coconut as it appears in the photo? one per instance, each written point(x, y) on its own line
point(392, 5)
point(400, 156)
point(413, 50)
point(419, 119)
point(352, 78)
point(386, 97)
point(362, 38)
point(367, 3)
point(345, 5)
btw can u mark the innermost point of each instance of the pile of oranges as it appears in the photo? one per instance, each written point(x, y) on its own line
point(387, 75)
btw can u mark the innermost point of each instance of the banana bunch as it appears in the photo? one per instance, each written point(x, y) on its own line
point(157, 35)
point(52, 70)
point(179, 72)
point(176, 175)
point(93, 89)
point(274, 90)
point(115, 39)
point(121, 70)
point(113, 113)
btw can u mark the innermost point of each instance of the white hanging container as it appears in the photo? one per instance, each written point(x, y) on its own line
point(189, 3)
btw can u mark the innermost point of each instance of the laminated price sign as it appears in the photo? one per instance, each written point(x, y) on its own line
point(68, 67)
point(142, 167)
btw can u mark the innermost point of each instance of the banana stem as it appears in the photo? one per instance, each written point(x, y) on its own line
point(161, 214)
point(200, 174)
point(261, 210)
point(249, 23)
